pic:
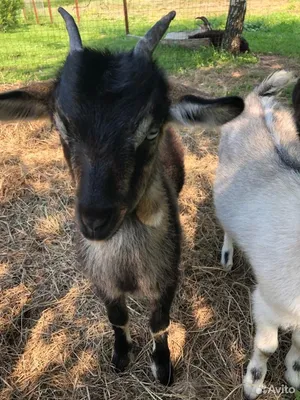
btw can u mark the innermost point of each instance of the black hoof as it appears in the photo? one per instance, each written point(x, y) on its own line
point(120, 361)
point(165, 374)
point(163, 370)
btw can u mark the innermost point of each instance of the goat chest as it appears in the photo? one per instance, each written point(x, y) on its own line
point(138, 260)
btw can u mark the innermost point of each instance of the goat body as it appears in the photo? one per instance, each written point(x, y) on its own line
point(257, 200)
point(143, 255)
point(113, 111)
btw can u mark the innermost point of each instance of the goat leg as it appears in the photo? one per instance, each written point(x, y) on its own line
point(292, 361)
point(118, 317)
point(265, 344)
point(162, 368)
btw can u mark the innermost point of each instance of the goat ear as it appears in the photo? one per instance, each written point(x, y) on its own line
point(29, 102)
point(197, 110)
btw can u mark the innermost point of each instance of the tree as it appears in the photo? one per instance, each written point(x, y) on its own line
point(234, 26)
point(9, 12)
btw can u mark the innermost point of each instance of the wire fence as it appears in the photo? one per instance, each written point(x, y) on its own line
point(36, 47)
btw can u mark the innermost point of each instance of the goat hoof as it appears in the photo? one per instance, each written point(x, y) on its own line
point(120, 361)
point(227, 260)
point(252, 390)
point(293, 378)
point(162, 370)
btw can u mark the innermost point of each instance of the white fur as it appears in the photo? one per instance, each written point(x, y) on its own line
point(183, 112)
point(257, 200)
point(154, 370)
point(127, 332)
point(60, 127)
point(142, 131)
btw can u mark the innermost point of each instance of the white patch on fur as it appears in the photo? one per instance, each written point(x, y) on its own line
point(183, 112)
point(127, 333)
point(156, 218)
point(61, 127)
point(154, 370)
point(153, 345)
point(126, 330)
point(159, 333)
point(142, 131)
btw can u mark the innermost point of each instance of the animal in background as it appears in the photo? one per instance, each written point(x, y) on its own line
point(216, 36)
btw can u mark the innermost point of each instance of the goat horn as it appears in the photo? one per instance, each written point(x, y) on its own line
point(74, 35)
point(206, 22)
point(148, 43)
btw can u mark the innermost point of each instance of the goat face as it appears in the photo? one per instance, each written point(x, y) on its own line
point(110, 110)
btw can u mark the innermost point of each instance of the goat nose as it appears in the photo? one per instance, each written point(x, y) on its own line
point(96, 222)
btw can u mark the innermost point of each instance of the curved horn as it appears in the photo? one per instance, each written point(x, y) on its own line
point(74, 35)
point(206, 23)
point(148, 43)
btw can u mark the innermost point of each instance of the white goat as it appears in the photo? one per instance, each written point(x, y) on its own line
point(257, 200)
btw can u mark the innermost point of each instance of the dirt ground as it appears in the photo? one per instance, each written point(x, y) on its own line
point(55, 340)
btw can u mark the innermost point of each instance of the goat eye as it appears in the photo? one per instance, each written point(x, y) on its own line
point(152, 135)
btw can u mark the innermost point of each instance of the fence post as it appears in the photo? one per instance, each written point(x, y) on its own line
point(126, 17)
point(35, 12)
point(50, 11)
point(77, 11)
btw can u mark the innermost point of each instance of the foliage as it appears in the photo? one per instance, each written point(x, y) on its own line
point(33, 52)
point(9, 12)
point(256, 26)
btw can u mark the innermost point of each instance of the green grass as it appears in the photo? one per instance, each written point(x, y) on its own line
point(34, 52)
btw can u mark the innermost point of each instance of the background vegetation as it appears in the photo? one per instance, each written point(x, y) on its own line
point(33, 52)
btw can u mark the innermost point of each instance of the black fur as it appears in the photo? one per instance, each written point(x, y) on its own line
point(256, 374)
point(121, 357)
point(226, 257)
point(118, 316)
point(287, 160)
point(296, 104)
point(122, 87)
point(296, 366)
point(161, 359)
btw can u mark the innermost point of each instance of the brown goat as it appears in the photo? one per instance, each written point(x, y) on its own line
point(113, 111)
point(216, 36)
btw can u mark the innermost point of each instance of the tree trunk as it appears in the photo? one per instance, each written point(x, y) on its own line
point(234, 26)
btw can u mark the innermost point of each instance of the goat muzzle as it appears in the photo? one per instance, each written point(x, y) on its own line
point(99, 224)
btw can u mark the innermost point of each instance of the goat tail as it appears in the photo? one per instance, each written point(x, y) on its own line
point(280, 120)
point(275, 82)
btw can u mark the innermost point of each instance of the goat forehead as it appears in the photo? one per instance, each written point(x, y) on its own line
point(91, 72)
point(114, 83)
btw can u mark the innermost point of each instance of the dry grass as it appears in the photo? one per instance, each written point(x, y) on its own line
point(55, 341)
